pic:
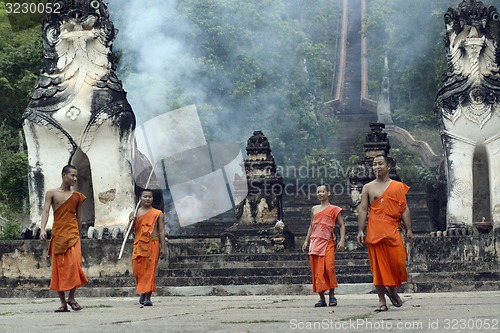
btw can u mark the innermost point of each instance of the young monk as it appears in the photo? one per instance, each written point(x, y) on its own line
point(64, 247)
point(320, 238)
point(386, 200)
point(149, 245)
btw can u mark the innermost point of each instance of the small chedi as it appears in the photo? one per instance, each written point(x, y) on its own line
point(376, 143)
point(79, 115)
point(263, 204)
point(468, 105)
point(260, 227)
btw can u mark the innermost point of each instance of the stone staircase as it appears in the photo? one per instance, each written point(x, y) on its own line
point(216, 274)
point(456, 263)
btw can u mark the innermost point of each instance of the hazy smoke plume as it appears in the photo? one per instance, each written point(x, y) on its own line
point(154, 57)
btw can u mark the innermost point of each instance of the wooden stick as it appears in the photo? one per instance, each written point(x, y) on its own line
point(135, 214)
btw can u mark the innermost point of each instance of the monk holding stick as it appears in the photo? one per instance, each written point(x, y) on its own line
point(64, 247)
point(386, 200)
point(320, 244)
point(149, 245)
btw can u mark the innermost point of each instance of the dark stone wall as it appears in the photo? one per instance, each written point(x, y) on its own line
point(29, 258)
point(441, 254)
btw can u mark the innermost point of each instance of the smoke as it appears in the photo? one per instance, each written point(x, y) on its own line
point(411, 34)
point(241, 63)
point(154, 59)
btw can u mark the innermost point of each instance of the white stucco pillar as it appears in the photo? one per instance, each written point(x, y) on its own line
point(48, 153)
point(112, 179)
point(460, 180)
point(493, 151)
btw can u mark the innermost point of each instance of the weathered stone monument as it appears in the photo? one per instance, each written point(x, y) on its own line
point(259, 226)
point(265, 187)
point(79, 114)
point(376, 143)
point(468, 105)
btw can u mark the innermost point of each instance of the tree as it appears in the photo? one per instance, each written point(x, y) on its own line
point(19, 66)
point(409, 32)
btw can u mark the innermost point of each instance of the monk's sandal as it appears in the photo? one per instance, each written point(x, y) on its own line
point(319, 304)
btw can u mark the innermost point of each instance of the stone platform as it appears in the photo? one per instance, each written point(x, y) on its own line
point(435, 264)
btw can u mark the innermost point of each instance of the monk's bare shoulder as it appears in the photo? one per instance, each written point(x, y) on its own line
point(51, 193)
point(314, 208)
point(368, 186)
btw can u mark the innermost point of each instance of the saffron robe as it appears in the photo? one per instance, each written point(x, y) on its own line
point(146, 252)
point(386, 250)
point(65, 247)
point(322, 249)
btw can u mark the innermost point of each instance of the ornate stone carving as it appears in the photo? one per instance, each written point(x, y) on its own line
point(79, 114)
point(469, 111)
point(265, 186)
point(472, 83)
point(376, 143)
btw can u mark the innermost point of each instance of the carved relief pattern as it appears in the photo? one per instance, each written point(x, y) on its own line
point(472, 84)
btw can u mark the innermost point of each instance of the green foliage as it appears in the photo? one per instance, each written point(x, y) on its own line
point(322, 168)
point(410, 168)
point(11, 229)
point(410, 33)
point(263, 63)
point(14, 180)
point(13, 169)
point(19, 66)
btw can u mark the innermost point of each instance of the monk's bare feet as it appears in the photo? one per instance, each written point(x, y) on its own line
point(74, 305)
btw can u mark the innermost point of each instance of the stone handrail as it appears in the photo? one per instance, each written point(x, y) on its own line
point(422, 148)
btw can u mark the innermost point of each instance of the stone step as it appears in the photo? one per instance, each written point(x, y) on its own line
point(455, 286)
point(246, 272)
point(184, 281)
point(245, 264)
point(258, 279)
point(295, 288)
point(263, 257)
point(466, 276)
point(455, 266)
point(214, 290)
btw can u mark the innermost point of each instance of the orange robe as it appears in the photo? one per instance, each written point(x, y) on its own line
point(322, 249)
point(386, 250)
point(146, 252)
point(64, 247)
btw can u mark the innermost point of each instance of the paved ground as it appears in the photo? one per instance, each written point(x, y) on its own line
point(437, 312)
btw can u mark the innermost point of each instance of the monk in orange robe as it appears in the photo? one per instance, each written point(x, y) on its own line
point(386, 200)
point(149, 246)
point(64, 247)
point(320, 238)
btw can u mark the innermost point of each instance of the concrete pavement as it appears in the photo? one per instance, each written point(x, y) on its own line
point(433, 312)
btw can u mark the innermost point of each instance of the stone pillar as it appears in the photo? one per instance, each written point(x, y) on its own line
point(493, 152)
point(263, 204)
point(376, 143)
point(259, 227)
point(459, 175)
